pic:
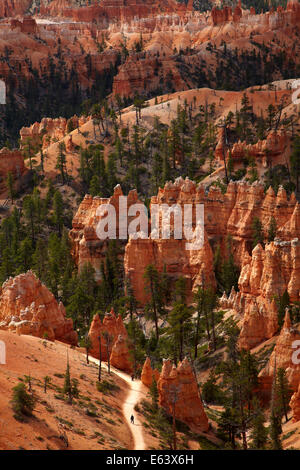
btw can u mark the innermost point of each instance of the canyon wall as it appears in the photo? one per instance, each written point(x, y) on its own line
point(28, 307)
point(226, 214)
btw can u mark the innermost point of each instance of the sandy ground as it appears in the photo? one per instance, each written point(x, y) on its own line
point(136, 390)
point(108, 429)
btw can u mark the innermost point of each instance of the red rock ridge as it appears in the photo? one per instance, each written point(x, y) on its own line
point(28, 307)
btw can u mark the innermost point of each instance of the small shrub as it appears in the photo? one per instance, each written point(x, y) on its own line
point(22, 402)
point(105, 386)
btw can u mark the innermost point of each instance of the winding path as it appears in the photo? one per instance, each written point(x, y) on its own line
point(133, 397)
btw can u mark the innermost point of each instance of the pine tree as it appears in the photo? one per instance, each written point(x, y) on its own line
point(47, 381)
point(88, 346)
point(67, 389)
point(10, 186)
point(283, 392)
point(258, 236)
point(259, 432)
point(154, 393)
point(154, 307)
point(272, 229)
point(61, 161)
point(22, 402)
point(58, 211)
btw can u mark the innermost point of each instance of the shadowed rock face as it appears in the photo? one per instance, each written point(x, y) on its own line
point(179, 385)
point(28, 307)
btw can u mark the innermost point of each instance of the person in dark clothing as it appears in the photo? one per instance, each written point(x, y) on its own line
point(132, 419)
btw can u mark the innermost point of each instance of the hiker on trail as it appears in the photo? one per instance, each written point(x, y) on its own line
point(132, 377)
point(132, 419)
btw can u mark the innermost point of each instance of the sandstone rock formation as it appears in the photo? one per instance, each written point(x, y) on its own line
point(295, 405)
point(11, 161)
point(50, 130)
point(148, 373)
point(267, 273)
point(114, 326)
point(170, 254)
point(27, 26)
point(9, 8)
point(282, 356)
point(226, 214)
point(120, 357)
point(179, 385)
point(28, 307)
point(86, 245)
point(276, 143)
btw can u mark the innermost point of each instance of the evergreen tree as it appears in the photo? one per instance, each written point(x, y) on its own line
point(258, 236)
point(10, 186)
point(283, 392)
point(154, 393)
point(22, 402)
point(259, 432)
point(67, 389)
point(272, 229)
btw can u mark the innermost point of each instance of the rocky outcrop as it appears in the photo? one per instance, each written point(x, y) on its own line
point(268, 273)
point(282, 356)
point(173, 255)
point(264, 151)
point(120, 355)
point(27, 26)
point(295, 405)
point(87, 247)
point(178, 387)
point(28, 307)
point(147, 72)
point(148, 374)
point(11, 161)
point(226, 214)
point(10, 8)
point(50, 130)
point(113, 325)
